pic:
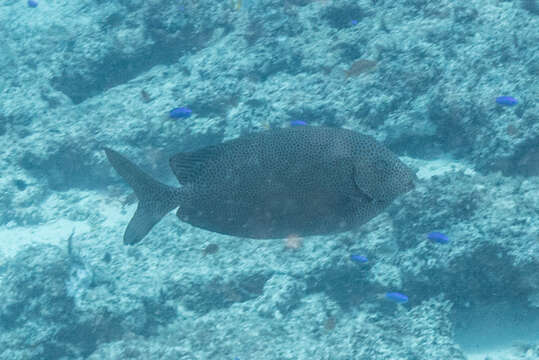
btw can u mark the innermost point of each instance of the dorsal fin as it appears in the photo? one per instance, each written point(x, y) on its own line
point(187, 166)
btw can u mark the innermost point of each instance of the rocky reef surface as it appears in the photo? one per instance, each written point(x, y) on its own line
point(420, 76)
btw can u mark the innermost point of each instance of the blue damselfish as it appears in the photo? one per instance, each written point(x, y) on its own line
point(181, 112)
point(397, 297)
point(358, 258)
point(297, 123)
point(506, 100)
point(438, 237)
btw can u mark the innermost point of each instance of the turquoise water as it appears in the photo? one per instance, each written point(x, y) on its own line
point(422, 78)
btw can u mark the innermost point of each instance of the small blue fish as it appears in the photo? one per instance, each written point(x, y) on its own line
point(438, 237)
point(33, 3)
point(397, 297)
point(297, 123)
point(506, 100)
point(358, 258)
point(181, 112)
point(354, 22)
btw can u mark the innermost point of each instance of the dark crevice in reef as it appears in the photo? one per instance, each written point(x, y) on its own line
point(83, 80)
point(66, 167)
point(525, 161)
point(340, 17)
point(504, 322)
point(482, 276)
point(112, 70)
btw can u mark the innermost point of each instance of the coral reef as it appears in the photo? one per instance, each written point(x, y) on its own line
point(78, 76)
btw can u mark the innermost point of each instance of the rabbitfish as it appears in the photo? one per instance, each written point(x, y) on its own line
point(302, 180)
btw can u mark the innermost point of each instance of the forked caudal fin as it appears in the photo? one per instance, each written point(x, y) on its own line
point(155, 199)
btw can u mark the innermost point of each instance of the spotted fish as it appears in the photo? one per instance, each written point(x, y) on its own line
point(302, 180)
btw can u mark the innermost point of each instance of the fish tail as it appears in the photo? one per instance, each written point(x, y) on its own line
point(155, 199)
